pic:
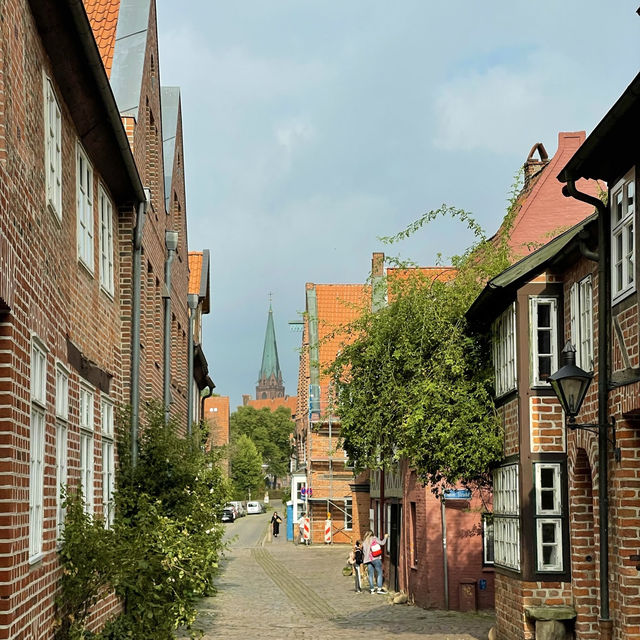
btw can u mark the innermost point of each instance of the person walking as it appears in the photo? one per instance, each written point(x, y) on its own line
point(372, 553)
point(301, 522)
point(358, 557)
point(276, 521)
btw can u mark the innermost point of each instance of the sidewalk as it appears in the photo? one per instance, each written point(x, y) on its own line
point(279, 590)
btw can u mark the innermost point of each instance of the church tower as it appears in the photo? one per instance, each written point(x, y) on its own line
point(270, 383)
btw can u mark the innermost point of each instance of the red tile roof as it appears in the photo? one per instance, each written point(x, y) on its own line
point(103, 16)
point(273, 403)
point(195, 271)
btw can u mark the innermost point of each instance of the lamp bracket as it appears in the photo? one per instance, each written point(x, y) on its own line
point(595, 429)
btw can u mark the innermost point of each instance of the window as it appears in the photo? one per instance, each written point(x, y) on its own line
point(108, 484)
point(506, 517)
point(504, 351)
point(548, 528)
point(622, 200)
point(106, 241)
point(86, 448)
point(348, 514)
point(413, 549)
point(36, 450)
point(544, 343)
point(582, 322)
point(84, 208)
point(488, 554)
point(61, 474)
point(62, 393)
point(53, 149)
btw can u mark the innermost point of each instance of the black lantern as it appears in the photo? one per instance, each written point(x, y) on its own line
point(570, 383)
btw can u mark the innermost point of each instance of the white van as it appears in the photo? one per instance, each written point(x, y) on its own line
point(254, 507)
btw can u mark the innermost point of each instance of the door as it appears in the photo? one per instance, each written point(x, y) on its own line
point(394, 544)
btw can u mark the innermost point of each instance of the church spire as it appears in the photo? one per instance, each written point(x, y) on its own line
point(270, 383)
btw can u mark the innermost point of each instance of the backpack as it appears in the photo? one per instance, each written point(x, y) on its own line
point(375, 549)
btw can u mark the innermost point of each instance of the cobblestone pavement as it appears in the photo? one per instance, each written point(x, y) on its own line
point(277, 591)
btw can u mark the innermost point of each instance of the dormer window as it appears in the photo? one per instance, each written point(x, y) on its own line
point(622, 200)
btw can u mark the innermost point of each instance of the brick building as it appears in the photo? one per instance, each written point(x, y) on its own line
point(559, 489)
point(321, 465)
point(216, 415)
point(70, 191)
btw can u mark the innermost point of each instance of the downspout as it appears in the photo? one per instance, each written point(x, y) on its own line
point(171, 242)
point(192, 302)
point(135, 325)
point(604, 288)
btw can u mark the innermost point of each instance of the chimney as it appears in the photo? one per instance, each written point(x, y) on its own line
point(378, 286)
point(245, 399)
point(377, 264)
point(533, 167)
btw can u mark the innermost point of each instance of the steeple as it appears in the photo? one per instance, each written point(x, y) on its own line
point(270, 383)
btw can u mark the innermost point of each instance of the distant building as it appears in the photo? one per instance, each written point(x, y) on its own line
point(270, 384)
point(216, 414)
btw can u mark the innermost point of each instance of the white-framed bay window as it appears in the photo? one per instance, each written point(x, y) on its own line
point(548, 516)
point(506, 516)
point(488, 547)
point(62, 473)
point(53, 149)
point(36, 448)
point(544, 338)
point(84, 207)
point(504, 350)
point(108, 461)
point(105, 208)
point(86, 448)
point(622, 202)
point(581, 310)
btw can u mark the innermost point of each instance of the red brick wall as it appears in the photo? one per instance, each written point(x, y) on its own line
point(546, 425)
point(509, 416)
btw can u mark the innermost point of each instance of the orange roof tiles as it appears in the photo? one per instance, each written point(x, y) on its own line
point(273, 403)
point(195, 271)
point(103, 16)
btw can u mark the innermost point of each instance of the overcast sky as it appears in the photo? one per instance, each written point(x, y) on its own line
point(312, 128)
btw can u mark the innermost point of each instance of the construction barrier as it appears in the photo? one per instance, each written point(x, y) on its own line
point(306, 531)
point(327, 531)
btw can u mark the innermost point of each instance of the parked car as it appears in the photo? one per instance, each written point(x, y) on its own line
point(228, 515)
point(255, 507)
point(233, 508)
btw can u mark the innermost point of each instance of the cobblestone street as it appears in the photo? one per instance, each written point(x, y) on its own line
point(273, 589)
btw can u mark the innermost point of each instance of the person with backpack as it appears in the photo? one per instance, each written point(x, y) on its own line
point(372, 554)
point(358, 558)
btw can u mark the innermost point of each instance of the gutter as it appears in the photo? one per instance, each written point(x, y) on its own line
point(604, 322)
point(171, 243)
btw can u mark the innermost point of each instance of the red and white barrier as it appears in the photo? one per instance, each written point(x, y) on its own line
point(327, 531)
point(306, 531)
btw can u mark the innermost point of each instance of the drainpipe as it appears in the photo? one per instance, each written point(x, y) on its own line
point(171, 242)
point(604, 288)
point(135, 325)
point(192, 301)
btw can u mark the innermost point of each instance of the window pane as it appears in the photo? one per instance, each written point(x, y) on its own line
point(544, 367)
point(547, 476)
point(548, 532)
point(544, 315)
point(549, 555)
point(544, 341)
point(546, 500)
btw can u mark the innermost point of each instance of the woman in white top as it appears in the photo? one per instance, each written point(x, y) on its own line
point(372, 552)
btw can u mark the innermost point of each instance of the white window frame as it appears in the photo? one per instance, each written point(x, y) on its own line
point(37, 435)
point(108, 461)
point(506, 516)
point(534, 303)
point(623, 259)
point(62, 392)
point(53, 149)
point(62, 473)
point(86, 448)
point(84, 207)
point(545, 516)
point(488, 540)
point(504, 351)
point(105, 207)
point(581, 310)
point(348, 513)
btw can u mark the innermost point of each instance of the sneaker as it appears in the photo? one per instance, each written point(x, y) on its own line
point(372, 590)
point(382, 590)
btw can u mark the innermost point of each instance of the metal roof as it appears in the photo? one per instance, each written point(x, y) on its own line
point(170, 97)
point(128, 55)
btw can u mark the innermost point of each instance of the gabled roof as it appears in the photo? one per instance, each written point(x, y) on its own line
point(103, 16)
point(612, 147)
point(170, 97)
point(199, 277)
point(502, 288)
point(270, 363)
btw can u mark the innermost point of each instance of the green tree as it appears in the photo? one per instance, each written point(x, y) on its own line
point(415, 381)
point(246, 468)
point(270, 432)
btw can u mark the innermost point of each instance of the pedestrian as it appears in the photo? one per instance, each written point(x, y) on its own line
point(301, 521)
point(372, 553)
point(358, 557)
point(276, 521)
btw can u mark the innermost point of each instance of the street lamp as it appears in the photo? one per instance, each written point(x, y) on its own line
point(571, 383)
